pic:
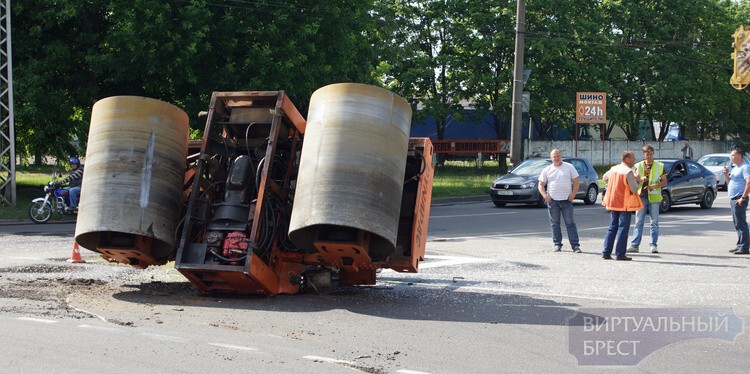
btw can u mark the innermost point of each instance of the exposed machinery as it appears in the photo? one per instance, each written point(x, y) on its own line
point(269, 203)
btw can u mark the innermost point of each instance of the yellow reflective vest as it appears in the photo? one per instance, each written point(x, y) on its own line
point(657, 169)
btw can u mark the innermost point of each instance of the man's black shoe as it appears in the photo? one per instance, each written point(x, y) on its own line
point(745, 252)
point(624, 258)
point(733, 250)
point(607, 257)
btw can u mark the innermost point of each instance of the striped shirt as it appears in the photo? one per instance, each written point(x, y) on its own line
point(74, 178)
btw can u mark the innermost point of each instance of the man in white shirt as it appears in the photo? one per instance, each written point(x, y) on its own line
point(558, 184)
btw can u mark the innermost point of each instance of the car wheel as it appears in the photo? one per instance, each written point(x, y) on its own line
point(591, 195)
point(666, 202)
point(499, 204)
point(708, 199)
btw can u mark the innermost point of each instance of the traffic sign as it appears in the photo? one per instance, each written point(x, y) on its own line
point(526, 104)
point(591, 107)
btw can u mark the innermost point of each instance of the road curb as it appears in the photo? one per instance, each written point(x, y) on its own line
point(460, 200)
point(26, 222)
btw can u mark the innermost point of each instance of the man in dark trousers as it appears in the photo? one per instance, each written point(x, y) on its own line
point(558, 184)
point(621, 201)
point(738, 188)
point(687, 151)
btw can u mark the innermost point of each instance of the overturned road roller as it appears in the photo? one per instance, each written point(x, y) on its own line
point(267, 202)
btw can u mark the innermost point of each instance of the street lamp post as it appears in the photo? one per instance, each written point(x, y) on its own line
point(516, 124)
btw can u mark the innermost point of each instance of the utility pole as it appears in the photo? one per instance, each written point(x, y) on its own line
point(7, 134)
point(516, 124)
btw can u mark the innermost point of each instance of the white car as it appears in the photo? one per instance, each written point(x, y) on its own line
point(716, 162)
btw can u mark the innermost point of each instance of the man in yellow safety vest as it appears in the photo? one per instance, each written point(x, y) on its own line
point(652, 177)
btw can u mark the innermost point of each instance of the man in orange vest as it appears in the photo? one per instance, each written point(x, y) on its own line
point(621, 201)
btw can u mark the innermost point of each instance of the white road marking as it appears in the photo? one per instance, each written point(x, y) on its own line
point(328, 359)
point(166, 338)
point(471, 215)
point(40, 320)
point(689, 221)
point(101, 318)
point(109, 329)
point(708, 219)
point(438, 239)
point(404, 371)
point(452, 260)
point(233, 346)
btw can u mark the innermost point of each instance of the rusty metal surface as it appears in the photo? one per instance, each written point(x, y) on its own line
point(415, 208)
point(135, 163)
point(232, 238)
point(352, 165)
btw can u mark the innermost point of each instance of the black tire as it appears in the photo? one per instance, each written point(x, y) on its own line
point(592, 193)
point(666, 202)
point(708, 199)
point(499, 204)
point(40, 212)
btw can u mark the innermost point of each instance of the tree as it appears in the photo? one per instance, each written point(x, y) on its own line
point(669, 64)
point(485, 42)
point(204, 47)
point(69, 54)
point(421, 60)
point(53, 82)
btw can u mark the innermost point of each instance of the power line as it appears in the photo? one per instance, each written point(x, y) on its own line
point(639, 43)
point(256, 5)
point(650, 47)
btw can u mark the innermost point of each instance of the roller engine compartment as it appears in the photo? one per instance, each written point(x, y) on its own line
point(241, 195)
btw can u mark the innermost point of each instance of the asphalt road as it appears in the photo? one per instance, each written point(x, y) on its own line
point(491, 296)
point(66, 227)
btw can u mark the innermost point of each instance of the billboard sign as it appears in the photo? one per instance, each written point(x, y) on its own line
point(591, 107)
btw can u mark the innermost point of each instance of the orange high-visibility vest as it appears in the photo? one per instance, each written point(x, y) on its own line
point(619, 197)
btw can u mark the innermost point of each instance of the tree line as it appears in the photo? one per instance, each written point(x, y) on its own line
point(658, 60)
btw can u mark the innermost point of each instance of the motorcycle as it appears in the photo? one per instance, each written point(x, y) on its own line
point(56, 200)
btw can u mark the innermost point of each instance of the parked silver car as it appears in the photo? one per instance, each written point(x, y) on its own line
point(715, 162)
point(520, 185)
